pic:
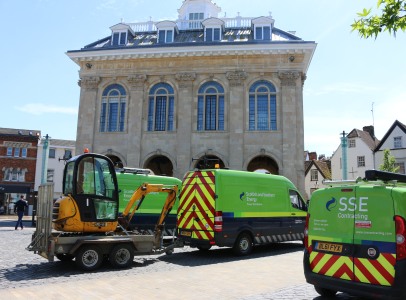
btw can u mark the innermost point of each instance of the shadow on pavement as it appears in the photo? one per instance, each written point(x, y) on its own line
point(223, 255)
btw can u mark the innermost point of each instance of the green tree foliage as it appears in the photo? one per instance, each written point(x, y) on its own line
point(388, 163)
point(392, 19)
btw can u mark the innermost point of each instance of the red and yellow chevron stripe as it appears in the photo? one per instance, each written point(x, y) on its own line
point(380, 271)
point(196, 205)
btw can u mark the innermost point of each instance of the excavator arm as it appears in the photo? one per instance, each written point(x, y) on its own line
point(138, 197)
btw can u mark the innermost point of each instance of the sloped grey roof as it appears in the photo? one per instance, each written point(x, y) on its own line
point(16, 131)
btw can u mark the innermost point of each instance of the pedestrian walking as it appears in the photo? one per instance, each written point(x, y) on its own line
point(19, 208)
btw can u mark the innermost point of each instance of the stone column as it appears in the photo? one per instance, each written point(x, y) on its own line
point(292, 127)
point(87, 118)
point(235, 118)
point(185, 113)
point(135, 119)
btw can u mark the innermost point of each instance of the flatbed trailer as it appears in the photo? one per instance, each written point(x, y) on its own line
point(88, 249)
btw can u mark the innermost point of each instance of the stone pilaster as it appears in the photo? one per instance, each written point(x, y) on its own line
point(185, 119)
point(236, 78)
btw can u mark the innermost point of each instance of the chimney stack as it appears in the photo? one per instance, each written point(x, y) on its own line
point(370, 130)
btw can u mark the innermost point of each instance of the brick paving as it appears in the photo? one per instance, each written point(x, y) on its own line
point(271, 272)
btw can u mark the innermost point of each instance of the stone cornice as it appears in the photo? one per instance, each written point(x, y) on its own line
point(289, 78)
point(193, 51)
point(89, 82)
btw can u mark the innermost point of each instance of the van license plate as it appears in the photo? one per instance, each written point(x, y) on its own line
point(186, 233)
point(336, 248)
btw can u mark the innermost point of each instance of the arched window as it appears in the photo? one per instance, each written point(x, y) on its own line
point(262, 106)
point(112, 115)
point(210, 107)
point(161, 107)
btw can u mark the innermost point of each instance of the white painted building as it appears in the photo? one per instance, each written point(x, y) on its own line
point(360, 154)
point(59, 150)
point(315, 172)
point(395, 141)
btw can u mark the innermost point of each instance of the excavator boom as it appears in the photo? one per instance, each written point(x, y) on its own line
point(138, 197)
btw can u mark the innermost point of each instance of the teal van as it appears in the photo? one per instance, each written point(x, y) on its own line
point(238, 209)
point(355, 237)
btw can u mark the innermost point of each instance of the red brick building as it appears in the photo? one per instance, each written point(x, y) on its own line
point(18, 158)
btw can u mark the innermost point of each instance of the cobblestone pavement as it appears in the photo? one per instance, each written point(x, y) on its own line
point(271, 272)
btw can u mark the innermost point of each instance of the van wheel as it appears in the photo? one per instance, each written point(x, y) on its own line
point(89, 258)
point(121, 256)
point(325, 292)
point(243, 244)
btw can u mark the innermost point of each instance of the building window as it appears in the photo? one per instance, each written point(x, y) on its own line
point(213, 34)
point(165, 36)
point(50, 175)
point(119, 38)
point(314, 175)
point(52, 152)
point(16, 152)
point(351, 143)
point(161, 108)
point(401, 166)
point(195, 20)
point(397, 142)
point(113, 109)
point(9, 151)
point(23, 152)
point(361, 161)
point(67, 154)
point(262, 106)
point(210, 107)
point(11, 174)
point(263, 33)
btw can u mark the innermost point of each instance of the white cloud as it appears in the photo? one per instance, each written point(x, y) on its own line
point(40, 109)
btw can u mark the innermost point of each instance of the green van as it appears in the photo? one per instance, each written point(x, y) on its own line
point(355, 237)
point(238, 209)
point(129, 179)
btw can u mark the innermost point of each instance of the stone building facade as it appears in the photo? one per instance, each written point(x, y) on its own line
point(175, 95)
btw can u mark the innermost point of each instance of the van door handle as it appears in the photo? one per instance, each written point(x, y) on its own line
point(293, 214)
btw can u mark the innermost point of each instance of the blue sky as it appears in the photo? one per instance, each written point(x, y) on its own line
point(347, 77)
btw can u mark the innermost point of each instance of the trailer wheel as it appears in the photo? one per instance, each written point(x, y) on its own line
point(121, 256)
point(243, 244)
point(89, 257)
point(65, 257)
point(325, 292)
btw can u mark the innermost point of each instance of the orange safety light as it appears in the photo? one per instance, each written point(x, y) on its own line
point(86, 150)
point(217, 166)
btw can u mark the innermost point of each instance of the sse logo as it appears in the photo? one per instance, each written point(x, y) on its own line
point(331, 204)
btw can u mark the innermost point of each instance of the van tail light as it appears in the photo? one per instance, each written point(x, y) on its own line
point(306, 232)
point(400, 237)
point(218, 221)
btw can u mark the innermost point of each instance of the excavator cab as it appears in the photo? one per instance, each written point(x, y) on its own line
point(90, 201)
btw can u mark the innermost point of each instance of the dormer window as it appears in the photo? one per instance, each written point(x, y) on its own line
point(119, 38)
point(195, 20)
point(167, 31)
point(212, 34)
point(213, 29)
point(120, 34)
point(262, 28)
point(165, 36)
point(262, 33)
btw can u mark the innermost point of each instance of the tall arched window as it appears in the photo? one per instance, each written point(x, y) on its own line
point(262, 106)
point(210, 107)
point(112, 114)
point(161, 107)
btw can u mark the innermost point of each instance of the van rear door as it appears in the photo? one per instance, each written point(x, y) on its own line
point(374, 236)
point(196, 207)
point(331, 233)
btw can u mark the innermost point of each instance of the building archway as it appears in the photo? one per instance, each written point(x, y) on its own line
point(117, 162)
point(208, 162)
point(263, 164)
point(160, 165)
